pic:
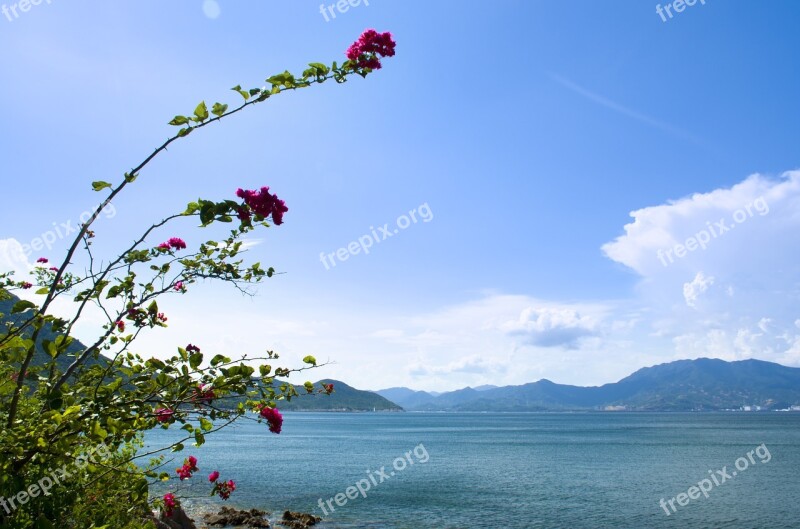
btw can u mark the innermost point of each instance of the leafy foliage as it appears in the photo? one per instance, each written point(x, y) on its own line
point(60, 399)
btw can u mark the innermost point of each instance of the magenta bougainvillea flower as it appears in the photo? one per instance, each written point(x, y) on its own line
point(183, 473)
point(273, 417)
point(169, 503)
point(177, 243)
point(262, 203)
point(192, 348)
point(174, 242)
point(121, 326)
point(224, 488)
point(179, 286)
point(164, 414)
point(25, 285)
point(189, 466)
point(370, 47)
point(42, 260)
point(204, 393)
point(162, 317)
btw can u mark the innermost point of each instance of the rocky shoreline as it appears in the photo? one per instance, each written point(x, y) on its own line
point(229, 517)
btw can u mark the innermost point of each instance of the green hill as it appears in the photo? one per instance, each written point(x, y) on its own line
point(343, 398)
point(7, 302)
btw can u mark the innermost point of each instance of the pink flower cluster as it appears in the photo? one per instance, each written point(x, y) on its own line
point(204, 393)
point(25, 285)
point(189, 466)
point(369, 47)
point(174, 243)
point(222, 488)
point(42, 260)
point(169, 503)
point(192, 349)
point(273, 417)
point(164, 415)
point(263, 203)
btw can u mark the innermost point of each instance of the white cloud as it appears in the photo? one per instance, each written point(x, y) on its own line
point(473, 365)
point(757, 214)
point(693, 289)
point(551, 326)
point(13, 258)
point(747, 271)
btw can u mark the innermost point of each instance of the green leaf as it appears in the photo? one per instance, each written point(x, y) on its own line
point(321, 68)
point(50, 348)
point(179, 120)
point(219, 109)
point(43, 290)
point(206, 213)
point(22, 306)
point(244, 94)
point(205, 424)
point(184, 132)
point(310, 360)
point(113, 292)
point(98, 432)
point(100, 185)
point(191, 207)
point(199, 438)
point(178, 447)
point(219, 359)
point(201, 112)
point(195, 360)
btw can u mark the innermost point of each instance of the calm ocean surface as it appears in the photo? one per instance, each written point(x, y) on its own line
point(511, 471)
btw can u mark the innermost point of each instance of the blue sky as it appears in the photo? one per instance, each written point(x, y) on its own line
point(554, 147)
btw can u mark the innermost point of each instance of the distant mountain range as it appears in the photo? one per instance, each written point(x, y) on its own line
point(685, 385)
point(343, 398)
